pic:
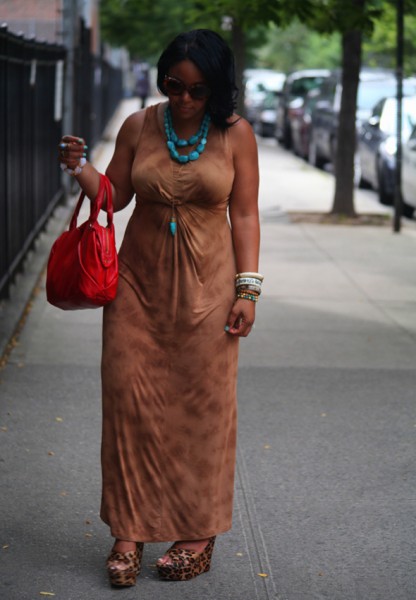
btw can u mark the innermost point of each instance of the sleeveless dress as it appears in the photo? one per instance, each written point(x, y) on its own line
point(168, 367)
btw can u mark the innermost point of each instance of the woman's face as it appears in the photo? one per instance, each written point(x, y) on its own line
point(184, 105)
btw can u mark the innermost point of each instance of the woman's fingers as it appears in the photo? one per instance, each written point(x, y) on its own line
point(73, 139)
point(241, 318)
point(71, 149)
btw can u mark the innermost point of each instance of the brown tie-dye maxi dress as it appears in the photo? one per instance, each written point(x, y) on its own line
point(168, 367)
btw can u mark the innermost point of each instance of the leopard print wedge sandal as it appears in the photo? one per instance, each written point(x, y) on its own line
point(124, 567)
point(186, 564)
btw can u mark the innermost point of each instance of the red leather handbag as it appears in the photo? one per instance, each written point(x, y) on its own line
point(82, 269)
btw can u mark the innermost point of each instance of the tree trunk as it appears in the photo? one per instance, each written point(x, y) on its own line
point(239, 50)
point(346, 139)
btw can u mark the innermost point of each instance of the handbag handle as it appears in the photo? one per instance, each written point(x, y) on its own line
point(96, 204)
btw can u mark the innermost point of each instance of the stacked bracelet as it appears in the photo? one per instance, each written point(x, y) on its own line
point(78, 168)
point(248, 285)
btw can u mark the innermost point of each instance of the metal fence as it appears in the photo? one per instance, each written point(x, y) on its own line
point(98, 88)
point(31, 100)
point(30, 186)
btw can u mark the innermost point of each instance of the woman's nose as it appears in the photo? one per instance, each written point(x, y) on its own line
point(186, 95)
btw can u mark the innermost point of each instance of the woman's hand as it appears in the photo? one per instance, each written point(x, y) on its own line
point(241, 318)
point(71, 150)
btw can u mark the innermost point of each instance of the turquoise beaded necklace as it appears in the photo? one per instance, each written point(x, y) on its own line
point(173, 141)
point(198, 140)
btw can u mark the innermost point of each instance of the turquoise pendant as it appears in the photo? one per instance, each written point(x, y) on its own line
point(172, 225)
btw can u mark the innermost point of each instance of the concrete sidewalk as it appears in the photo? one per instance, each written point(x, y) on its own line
point(325, 488)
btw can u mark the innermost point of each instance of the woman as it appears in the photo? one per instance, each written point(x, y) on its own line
point(170, 338)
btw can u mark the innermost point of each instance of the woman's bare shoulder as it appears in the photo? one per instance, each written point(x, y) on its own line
point(132, 126)
point(241, 132)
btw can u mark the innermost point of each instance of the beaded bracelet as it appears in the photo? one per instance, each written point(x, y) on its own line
point(78, 168)
point(250, 288)
point(246, 296)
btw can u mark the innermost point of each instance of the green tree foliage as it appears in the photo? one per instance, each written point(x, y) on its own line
point(379, 50)
point(297, 47)
point(144, 27)
point(328, 16)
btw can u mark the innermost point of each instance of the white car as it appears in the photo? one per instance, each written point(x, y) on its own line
point(258, 83)
point(409, 175)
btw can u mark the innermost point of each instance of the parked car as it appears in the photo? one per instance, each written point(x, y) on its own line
point(377, 143)
point(296, 86)
point(264, 120)
point(374, 84)
point(258, 83)
point(409, 175)
point(300, 123)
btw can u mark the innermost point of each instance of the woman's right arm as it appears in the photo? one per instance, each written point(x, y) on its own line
point(119, 169)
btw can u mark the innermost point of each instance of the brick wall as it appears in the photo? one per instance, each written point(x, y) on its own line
point(39, 18)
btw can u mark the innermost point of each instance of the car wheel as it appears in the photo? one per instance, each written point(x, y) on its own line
point(287, 137)
point(383, 195)
point(407, 210)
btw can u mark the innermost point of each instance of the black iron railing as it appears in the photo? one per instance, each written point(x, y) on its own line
point(31, 100)
point(30, 185)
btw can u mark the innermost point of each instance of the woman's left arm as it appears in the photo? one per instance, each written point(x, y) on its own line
point(244, 217)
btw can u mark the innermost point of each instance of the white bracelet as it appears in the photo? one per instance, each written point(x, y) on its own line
point(78, 168)
point(248, 280)
point(255, 275)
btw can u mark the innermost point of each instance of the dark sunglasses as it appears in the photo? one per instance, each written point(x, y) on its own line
point(176, 87)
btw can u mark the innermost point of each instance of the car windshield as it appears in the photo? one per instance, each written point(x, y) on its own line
point(270, 101)
point(370, 92)
point(301, 87)
point(273, 82)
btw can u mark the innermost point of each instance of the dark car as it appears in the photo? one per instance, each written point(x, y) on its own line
point(377, 142)
point(296, 86)
point(409, 175)
point(373, 85)
point(301, 121)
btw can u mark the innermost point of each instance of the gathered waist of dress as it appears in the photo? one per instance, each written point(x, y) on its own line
point(214, 207)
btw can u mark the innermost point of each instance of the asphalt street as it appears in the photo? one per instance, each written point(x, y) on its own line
point(325, 487)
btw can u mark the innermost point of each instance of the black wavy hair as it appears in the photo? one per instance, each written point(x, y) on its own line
point(213, 57)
